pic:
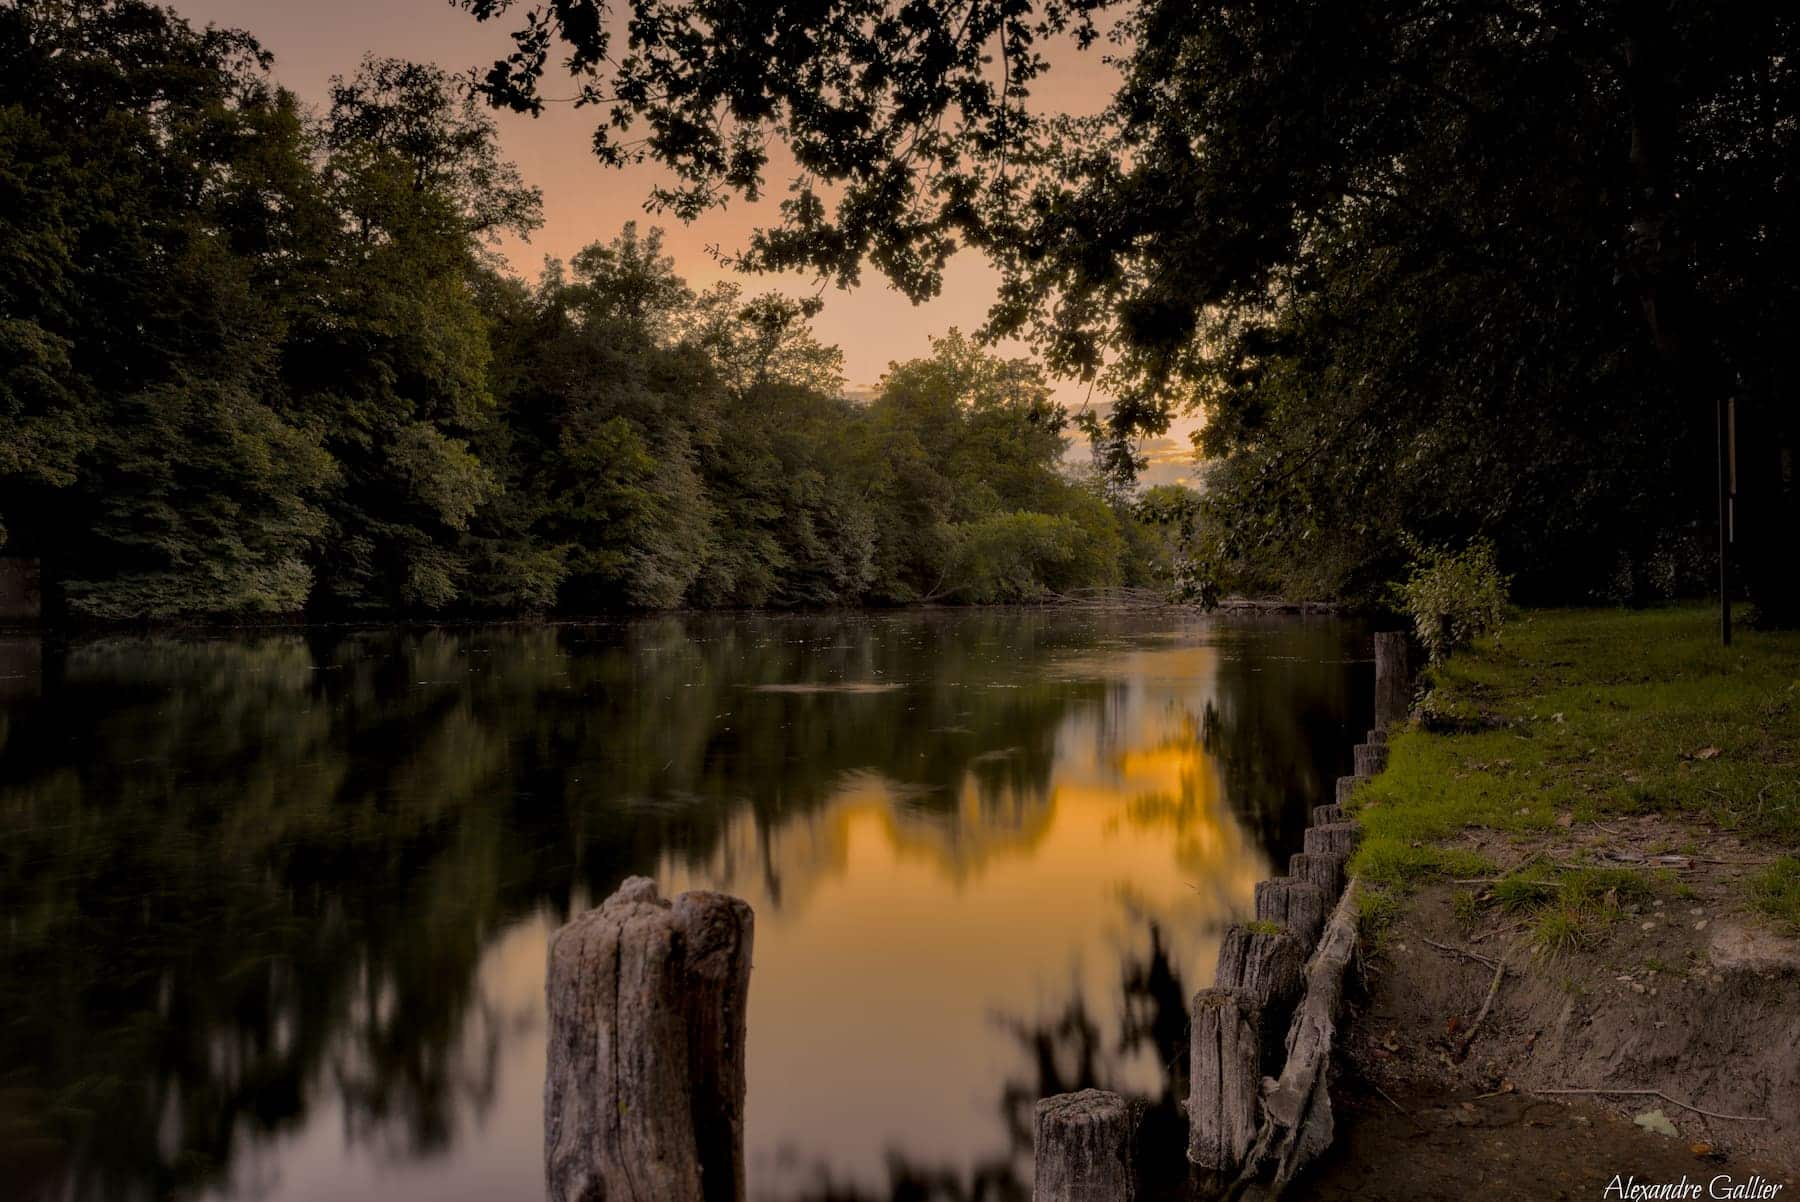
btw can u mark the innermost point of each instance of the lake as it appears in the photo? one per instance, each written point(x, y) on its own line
point(276, 903)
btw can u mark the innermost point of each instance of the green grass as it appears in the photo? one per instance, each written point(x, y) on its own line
point(1402, 864)
point(1567, 907)
point(1263, 926)
point(1528, 889)
point(1586, 714)
point(1377, 908)
point(1776, 890)
point(1608, 888)
point(1562, 929)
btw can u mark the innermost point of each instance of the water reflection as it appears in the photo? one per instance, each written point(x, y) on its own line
point(276, 906)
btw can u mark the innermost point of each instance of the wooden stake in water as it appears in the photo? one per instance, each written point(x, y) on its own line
point(1393, 678)
point(1224, 1078)
point(1085, 1147)
point(1296, 905)
point(644, 1093)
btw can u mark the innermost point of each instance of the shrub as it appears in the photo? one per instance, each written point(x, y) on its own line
point(1022, 557)
point(1453, 597)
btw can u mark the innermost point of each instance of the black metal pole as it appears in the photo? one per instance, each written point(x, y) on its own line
point(1724, 433)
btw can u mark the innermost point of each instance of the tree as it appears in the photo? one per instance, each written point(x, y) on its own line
point(963, 455)
point(793, 522)
point(604, 413)
point(392, 357)
point(435, 126)
point(1428, 270)
point(258, 361)
point(160, 180)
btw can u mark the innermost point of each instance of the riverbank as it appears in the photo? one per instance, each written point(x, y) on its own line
point(1606, 804)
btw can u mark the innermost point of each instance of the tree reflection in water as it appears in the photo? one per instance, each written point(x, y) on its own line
point(1066, 1052)
point(260, 889)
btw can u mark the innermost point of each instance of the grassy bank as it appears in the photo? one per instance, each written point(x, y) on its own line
point(1572, 717)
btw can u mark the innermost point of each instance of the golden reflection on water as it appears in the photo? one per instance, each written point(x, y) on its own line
point(892, 939)
point(278, 905)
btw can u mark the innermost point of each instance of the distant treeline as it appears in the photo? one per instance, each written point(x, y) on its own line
point(259, 359)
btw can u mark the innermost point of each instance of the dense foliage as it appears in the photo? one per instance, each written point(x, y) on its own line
point(256, 359)
point(1438, 271)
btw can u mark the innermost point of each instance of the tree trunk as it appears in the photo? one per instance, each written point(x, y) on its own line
point(1297, 1123)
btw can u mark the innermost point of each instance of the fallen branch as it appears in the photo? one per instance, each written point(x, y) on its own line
point(1464, 952)
point(1517, 926)
point(1486, 1004)
point(1407, 1114)
point(1657, 1093)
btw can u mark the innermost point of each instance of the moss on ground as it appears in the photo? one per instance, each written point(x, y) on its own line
point(1582, 714)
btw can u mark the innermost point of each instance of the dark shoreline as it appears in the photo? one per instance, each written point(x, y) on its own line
point(1230, 607)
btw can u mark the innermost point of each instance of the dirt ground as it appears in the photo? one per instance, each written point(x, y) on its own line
point(1452, 1146)
point(1686, 992)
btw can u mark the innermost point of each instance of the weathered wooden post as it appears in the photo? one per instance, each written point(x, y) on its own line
point(1324, 815)
point(1297, 1110)
point(1325, 870)
point(1331, 838)
point(1295, 905)
point(1269, 967)
point(1224, 1079)
point(1370, 758)
point(1346, 785)
point(644, 1093)
point(1393, 678)
point(1086, 1146)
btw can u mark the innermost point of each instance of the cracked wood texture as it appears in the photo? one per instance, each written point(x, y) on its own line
point(644, 1090)
point(1297, 905)
point(1270, 968)
point(1297, 1124)
point(1331, 838)
point(1223, 1079)
point(1323, 869)
point(1085, 1144)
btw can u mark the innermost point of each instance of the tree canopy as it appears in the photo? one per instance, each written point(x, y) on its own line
point(1429, 271)
point(1432, 275)
point(260, 359)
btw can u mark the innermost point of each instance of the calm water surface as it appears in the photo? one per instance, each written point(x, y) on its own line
point(274, 907)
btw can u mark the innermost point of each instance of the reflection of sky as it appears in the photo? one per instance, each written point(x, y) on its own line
point(899, 935)
point(892, 937)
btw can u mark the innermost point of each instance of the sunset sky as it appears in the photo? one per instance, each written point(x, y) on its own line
point(584, 201)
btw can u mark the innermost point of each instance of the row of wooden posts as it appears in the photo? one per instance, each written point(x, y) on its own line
point(644, 1093)
point(1261, 1037)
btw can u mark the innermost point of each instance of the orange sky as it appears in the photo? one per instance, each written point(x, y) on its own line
point(583, 201)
